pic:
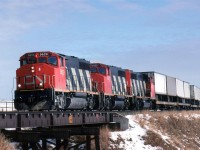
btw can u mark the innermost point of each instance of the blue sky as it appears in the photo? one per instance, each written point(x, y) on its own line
point(142, 35)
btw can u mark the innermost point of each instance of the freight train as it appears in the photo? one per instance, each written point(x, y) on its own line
point(53, 81)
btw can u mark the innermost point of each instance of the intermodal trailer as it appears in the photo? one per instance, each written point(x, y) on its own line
point(178, 91)
point(195, 96)
point(187, 92)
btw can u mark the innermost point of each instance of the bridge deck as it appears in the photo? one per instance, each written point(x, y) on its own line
point(54, 118)
point(56, 125)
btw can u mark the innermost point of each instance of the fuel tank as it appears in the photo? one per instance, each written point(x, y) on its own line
point(77, 101)
point(118, 102)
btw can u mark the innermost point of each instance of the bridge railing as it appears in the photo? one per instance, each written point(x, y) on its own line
point(6, 106)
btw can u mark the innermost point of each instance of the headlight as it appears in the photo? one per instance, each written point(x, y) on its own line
point(19, 85)
point(32, 70)
point(32, 67)
point(41, 84)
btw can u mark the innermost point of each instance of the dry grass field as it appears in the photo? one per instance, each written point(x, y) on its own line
point(172, 130)
point(104, 139)
point(4, 143)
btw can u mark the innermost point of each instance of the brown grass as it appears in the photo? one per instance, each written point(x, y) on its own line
point(154, 140)
point(103, 138)
point(182, 128)
point(4, 143)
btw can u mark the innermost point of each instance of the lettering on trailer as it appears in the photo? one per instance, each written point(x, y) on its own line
point(44, 54)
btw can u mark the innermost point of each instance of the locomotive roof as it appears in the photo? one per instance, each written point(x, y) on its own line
point(72, 57)
point(110, 66)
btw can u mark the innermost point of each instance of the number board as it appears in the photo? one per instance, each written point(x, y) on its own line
point(44, 54)
point(31, 54)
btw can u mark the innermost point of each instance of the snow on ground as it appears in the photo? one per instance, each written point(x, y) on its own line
point(132, 137)
point(195, 115)
point(147, 117)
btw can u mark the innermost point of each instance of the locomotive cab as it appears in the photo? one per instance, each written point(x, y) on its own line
point(101, 79)
point(39, 75)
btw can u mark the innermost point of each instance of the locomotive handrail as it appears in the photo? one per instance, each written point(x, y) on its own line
point(48, 79)
point(6, 107)
point(15, 78)
point(94, 86)
point(102, 86)
point(53, 77)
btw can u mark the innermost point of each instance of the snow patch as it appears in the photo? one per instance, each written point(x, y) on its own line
point(132, 137)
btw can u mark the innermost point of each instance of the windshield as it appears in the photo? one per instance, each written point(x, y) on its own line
point(52, 60)
point(102, 70)
point(93, 70)
point(23, 62)
point(29, 60)
point(32, 60)
point(42, 60)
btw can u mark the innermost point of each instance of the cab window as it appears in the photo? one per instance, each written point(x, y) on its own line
point(42, 60)
point(93, 70)
point(23, 62)
point(102, 70)
point(53, 60)
point(31, 60)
